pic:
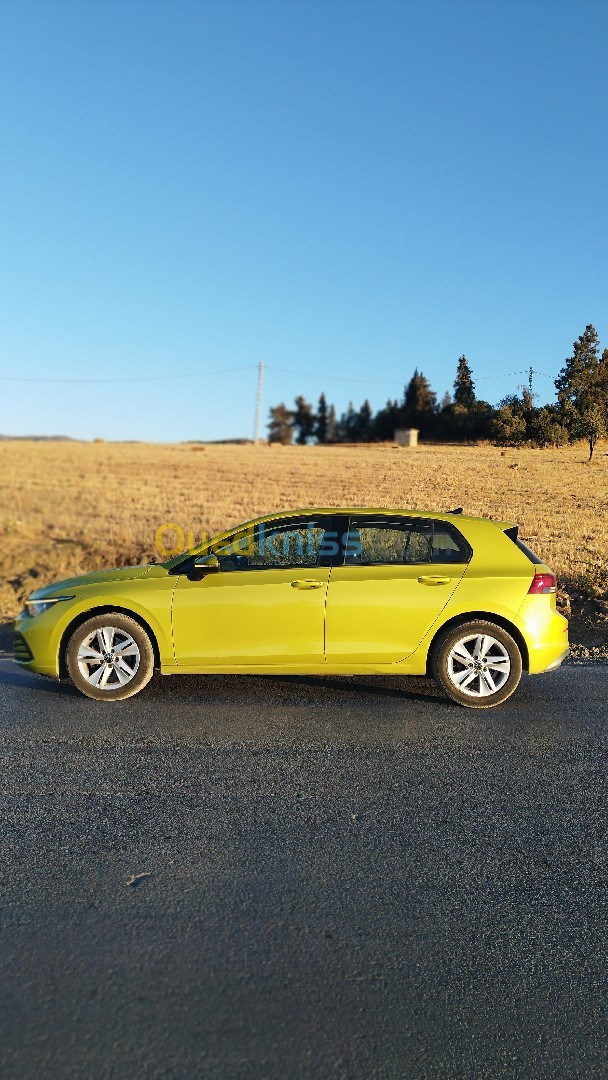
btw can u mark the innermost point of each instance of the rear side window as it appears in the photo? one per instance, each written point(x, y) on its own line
point(531, 555)
point(385, 541)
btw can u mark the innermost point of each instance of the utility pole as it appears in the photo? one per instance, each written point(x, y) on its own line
point(530, 377)
point(258, 402)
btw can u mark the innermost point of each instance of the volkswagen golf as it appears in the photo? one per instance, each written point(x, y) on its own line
point(333, 592)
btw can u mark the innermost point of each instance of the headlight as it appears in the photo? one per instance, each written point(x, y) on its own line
point(38, 607)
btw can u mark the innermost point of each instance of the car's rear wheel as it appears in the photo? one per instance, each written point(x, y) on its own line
point(110, 657)
point(477, 664)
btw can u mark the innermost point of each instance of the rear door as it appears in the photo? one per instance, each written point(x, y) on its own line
point(397, 577)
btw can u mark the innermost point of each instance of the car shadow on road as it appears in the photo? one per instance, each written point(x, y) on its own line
point(14, 677)
point(385, 687)
point(235, 689)
point(263, 692)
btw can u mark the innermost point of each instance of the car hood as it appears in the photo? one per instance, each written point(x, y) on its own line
point(99, 577)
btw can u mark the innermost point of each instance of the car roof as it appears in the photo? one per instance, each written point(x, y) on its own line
point(385, 511)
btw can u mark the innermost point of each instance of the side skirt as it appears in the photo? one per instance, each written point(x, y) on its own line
point(401, 668)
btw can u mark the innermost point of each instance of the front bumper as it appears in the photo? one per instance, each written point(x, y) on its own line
point(22, 654)
point(35, 644)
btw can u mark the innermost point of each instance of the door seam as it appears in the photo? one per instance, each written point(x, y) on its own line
point(325, 617)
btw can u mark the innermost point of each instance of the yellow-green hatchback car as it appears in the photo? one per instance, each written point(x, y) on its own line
point(333, 592)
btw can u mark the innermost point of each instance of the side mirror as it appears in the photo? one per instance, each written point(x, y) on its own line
point(206, 564)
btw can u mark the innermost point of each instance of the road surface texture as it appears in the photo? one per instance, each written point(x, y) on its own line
point(346, 878)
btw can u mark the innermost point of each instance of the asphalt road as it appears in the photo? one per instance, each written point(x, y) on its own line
point(347, 878)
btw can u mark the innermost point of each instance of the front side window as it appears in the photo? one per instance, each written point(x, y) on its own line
point(383, 542)
point(279, 545)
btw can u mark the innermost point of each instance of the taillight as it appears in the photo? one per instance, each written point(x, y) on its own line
point(543, 583)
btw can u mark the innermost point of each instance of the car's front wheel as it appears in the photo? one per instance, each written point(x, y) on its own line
point(477, 664)
point(110, 657)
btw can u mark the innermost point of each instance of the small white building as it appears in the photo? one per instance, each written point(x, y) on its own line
point(406, 436)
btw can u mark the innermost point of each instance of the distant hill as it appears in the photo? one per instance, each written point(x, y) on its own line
point(41, 438)
point(218, 442)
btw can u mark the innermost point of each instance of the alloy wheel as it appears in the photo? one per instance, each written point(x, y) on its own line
point(108, 657)
point(478, 665)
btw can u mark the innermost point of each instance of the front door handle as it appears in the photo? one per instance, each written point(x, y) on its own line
point(433, 579)
point(307, 583)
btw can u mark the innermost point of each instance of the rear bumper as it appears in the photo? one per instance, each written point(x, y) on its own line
point(545, 633)
point(559, 661)
point(548, 656)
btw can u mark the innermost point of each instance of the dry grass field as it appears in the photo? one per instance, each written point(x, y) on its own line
point(70, 507)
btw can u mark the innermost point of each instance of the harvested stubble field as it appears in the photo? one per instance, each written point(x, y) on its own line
point(68, 507)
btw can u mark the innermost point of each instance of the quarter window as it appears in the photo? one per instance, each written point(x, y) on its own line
point(382, 542)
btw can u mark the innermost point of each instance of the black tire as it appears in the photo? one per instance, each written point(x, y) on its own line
point(113, 672)
point(501, 667)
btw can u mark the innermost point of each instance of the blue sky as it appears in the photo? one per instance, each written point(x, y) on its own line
point(343, 188)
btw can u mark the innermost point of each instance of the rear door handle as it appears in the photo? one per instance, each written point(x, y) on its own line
point(307, 583)
point(433, 579)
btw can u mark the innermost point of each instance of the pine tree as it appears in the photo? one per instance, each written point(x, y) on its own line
point(385, 421)
point(464, 387)
point(364, 422)
point(332, 425)
point(582, 390)
point(348, 425)
point(280, 425)
point(303, 420)
point(321, 420)
point(572, 383)
point(419, 403)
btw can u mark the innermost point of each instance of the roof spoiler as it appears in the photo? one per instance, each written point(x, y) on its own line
point(458, 510)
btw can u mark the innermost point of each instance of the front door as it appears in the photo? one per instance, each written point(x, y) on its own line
point(265, 605)
point(397, 578)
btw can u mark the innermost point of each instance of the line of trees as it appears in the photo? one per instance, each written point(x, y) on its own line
point(580, 412)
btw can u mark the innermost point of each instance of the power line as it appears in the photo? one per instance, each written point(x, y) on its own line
point(132, 379)
point(246, 367)
point(391, 382)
